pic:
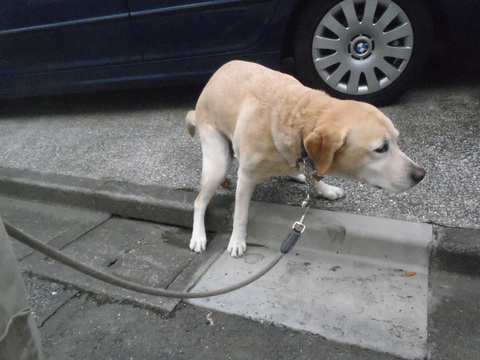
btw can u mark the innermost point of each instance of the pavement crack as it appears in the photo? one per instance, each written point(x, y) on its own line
point(112, 263)
point(66, 241)
point(54, 312)
point(180, 273)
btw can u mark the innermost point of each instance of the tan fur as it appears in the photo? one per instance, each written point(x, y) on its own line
point(265, 116)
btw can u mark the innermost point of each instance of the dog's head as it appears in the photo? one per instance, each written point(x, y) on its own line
point(355, 140)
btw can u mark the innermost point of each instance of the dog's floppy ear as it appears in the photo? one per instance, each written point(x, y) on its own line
point(321, 147)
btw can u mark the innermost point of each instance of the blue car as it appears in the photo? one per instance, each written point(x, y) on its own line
point(369, 50)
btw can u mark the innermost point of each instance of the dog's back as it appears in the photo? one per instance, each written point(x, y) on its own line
point(235, 87)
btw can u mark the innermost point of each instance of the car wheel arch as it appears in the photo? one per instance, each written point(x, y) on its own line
point(304, 8)
point(435, 9)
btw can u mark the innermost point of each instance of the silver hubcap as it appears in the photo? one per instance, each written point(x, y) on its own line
point(362, 46)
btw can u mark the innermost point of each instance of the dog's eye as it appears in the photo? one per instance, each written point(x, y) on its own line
point(382, 149)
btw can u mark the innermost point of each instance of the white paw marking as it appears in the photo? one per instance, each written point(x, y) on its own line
point(300, 178)
point(330, 192)
point(333, 193)
point(198, 243)
point(237, 248)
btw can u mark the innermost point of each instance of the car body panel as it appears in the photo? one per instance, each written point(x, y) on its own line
point(169, 29)
point(149, 58)
point(45, 35)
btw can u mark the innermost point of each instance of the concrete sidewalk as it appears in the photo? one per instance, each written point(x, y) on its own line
point(158, 255)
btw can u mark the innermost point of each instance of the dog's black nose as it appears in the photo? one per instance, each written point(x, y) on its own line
point(418, 174)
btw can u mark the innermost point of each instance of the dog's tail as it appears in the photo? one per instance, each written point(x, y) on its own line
point(190, 120)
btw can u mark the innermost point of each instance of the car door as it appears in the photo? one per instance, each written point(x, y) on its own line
point(186, 28)
point(38, 36)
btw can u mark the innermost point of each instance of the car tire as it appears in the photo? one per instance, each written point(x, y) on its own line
point(366, 50)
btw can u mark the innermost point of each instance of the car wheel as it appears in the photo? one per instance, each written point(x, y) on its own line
point(367, 50)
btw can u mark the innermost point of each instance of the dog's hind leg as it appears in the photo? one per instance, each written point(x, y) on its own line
point(216, 161)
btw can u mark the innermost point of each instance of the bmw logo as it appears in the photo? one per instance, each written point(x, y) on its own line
point(361, 48)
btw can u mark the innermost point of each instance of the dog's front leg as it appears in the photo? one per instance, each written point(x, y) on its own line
point(237, 244)
point(198, 242)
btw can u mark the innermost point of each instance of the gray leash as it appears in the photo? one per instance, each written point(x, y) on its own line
point(129, 285)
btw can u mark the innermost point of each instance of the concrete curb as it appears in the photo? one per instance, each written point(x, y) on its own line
point(143, 202)
point(454, 249)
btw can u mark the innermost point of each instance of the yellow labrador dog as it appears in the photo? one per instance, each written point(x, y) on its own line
point(267, 119)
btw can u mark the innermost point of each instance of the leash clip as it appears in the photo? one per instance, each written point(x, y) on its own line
point(298, 226)
point(297, 229)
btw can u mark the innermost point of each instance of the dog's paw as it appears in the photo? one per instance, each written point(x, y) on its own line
point(329, 192)
point(333, 193)
point(300, 178)
point(237, 248)
point(198, 243)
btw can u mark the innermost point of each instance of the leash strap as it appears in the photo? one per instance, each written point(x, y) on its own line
point(126, 284)
point(298, 226)
point(290, 240)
